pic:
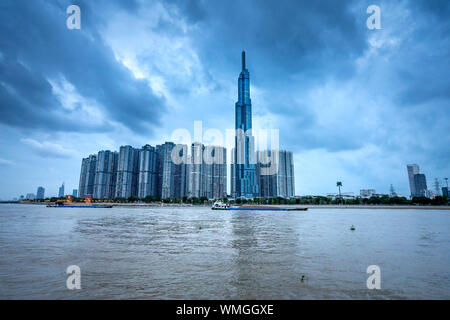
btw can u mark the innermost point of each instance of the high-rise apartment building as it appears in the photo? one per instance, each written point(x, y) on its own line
point(412, 170)
point(207, 172)
point(148, 172)
point(105, 175)
point(127, 172)
point(61, 191)
point(218, 172)
point(196, 171)
point(180, 178)
point(165, 170)
point(420, 185)
point(275, 172)
point(40, 193)
point(87, 176)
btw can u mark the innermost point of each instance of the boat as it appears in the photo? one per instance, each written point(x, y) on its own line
point(263, 208)
point(219, 205)
point(60, 204)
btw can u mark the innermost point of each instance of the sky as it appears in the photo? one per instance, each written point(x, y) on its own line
point(353, 104)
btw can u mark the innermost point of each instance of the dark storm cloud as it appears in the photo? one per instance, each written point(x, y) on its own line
point(37, 48)
point(284, 38)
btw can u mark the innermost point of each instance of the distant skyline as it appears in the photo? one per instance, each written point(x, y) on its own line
point(354, 105)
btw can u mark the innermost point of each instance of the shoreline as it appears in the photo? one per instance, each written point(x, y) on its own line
point(309, 206)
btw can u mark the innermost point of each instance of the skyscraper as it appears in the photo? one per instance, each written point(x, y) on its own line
point(40, 194)
point(219, 172)
point(180, 178)
point(105, 175)
point(61, 191)
point(420, 185)
point(275, 172)
point(412, 170)
point(87, 176)
point(196, 172)
point(244, 169)
point(165, 170)
point(148, 172)
point(127, 172)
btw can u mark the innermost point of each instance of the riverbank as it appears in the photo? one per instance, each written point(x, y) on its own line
point(309, 206)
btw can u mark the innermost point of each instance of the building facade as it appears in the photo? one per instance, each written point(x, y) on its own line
point(164, 171)
point(367, 193)
point(105, 175)
point(420, 185)
point(412, 169)
point(275, 172)
point(127, 172)
point(61, 191)
point(40, 193)
point(148, 172)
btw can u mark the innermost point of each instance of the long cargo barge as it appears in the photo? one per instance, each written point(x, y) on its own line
point(78, 206)
point(225, 206)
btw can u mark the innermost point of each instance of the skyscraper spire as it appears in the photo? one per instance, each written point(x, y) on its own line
point(243, 60)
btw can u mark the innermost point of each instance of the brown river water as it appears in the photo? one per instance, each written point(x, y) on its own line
point(198, 253)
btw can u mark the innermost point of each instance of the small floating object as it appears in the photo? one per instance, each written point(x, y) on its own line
point(303, 278)
point(352, 228)
point(199, 228)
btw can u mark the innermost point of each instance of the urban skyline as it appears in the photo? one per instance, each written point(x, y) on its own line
point(350, 102)
point(169, 170)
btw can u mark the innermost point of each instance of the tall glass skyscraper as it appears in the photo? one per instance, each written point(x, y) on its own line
point(245, 182)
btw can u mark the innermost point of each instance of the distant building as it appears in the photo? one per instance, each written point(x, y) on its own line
point(367, 193)
point(87, 176)
point(445, 191)
point(75, 193)
point(344, 195)
point(127, 172)
point(40, 193)
point(148, 172)
point(105, 175)
point(412, 170)
point(30, 196)
point(275, 173)
point(61, 191)
point(420, 185)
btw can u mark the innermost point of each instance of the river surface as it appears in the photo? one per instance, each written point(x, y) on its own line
point(197, 253)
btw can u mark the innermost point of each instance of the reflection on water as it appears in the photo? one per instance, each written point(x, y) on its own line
point(197, 253)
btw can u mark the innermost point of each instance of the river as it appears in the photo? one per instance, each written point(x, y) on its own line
point(198, 253)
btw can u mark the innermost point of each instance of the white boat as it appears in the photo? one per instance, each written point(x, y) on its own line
point(219, 205)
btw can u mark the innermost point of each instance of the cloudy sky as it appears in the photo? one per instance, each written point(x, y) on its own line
point(353, 104)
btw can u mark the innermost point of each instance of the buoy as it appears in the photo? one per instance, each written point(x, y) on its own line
point(352, 228)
